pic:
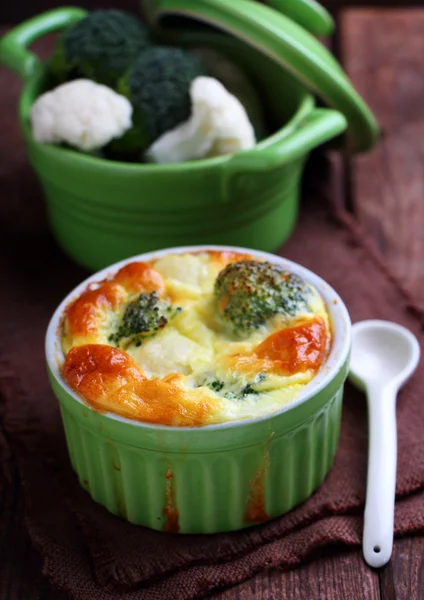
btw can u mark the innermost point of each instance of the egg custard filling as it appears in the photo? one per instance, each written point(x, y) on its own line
point(194, 339)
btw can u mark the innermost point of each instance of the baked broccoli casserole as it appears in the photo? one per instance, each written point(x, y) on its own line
point(195, 338)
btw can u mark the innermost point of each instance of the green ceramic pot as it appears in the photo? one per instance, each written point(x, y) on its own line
point(102, 211)
point(214, 478)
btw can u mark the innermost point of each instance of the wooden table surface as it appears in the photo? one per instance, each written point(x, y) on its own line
point(382, 49)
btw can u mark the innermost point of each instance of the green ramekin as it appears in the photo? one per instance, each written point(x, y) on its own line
point(218, 477)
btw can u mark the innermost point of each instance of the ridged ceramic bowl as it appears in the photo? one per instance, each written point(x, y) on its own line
point(218, 477)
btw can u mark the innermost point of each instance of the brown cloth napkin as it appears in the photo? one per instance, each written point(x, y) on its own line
point(92, 554)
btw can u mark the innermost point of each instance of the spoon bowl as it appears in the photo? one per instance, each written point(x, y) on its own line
point(382, 352)
point(384, 355)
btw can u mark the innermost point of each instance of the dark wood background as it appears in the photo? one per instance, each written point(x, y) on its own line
point(381, 45)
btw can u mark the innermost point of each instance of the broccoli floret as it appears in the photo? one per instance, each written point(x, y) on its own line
point(247, 390)
point(216, 385)
point(143, 317)
point(233, 389)
point(158, 86)
point(101, 47)
point(250, 292)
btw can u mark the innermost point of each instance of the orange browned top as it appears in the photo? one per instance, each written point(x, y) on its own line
point(87, 313)
point(287, 351)
point(109, 379)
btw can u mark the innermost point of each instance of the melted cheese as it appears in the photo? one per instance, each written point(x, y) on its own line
point(191, 372)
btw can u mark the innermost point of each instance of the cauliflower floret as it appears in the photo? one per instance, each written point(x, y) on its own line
point(170, 352)
point(81, 113)
point(237, 82)
point(218, 125)
point(191, 269)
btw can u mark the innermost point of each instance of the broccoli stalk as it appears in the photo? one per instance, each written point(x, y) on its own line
point(143, 317)
point(248, 293)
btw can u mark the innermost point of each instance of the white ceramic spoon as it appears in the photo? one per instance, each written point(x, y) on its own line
point(384, 356)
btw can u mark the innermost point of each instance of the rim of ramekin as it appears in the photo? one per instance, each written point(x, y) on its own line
point(339, 318)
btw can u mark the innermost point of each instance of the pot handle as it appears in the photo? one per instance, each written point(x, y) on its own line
point(319, 126)
point(307, 13)
point(13, 46)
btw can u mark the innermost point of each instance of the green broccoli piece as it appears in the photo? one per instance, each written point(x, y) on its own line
point(250, 292)
point(101, 47)
point(247, 390)
point(233, 389)
point(158, 86)
point(143, 317)
point(216, 385)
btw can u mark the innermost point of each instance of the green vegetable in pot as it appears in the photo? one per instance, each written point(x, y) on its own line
point(248, 293)
point(158, 86)
point(143, 317)
point(101, 47)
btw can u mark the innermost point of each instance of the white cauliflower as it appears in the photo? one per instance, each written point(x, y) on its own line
point(237, 82)
point(218, 125)
point(81, 113)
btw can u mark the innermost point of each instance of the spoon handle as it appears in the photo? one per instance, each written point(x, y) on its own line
point(377, 542)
